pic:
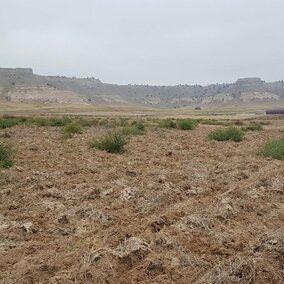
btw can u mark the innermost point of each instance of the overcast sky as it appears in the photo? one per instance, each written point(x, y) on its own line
point(162, 42)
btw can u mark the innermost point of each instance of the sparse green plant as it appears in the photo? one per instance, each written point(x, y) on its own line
point(162, 135)
point(273, 149)
point(70, 129)
point(167, 123)
point(153, 120)
point(229, 133)
point(137, 129)
point(109, 123)
point(265, 122)
point(212, 122)
point(123, 122)
point(22, 119)
point(45, 121)
point(6, 156)
point(58, 121)
point(253, 127)
point(8, 122)
point(186, 124)
point(103, 122)
point(8, 116)
point(239, 122)
point(261, 122)
point(133, 122)
point(38, 121)
point(111, 143)
point(87, 122)
point(139, 125)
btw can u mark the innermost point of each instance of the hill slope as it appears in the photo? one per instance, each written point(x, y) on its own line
point(23, 85)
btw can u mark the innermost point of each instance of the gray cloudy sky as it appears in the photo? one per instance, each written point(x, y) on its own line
point(145, 41)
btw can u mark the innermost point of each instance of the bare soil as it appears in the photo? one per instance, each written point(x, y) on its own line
point(173, 208)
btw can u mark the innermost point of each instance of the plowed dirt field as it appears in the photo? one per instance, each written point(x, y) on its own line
point(173, 208)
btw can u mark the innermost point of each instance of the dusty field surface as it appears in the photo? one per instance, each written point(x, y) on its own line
point(173, 208)
point(231, 112)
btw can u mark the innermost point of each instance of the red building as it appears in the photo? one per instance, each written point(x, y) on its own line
point(275, 112)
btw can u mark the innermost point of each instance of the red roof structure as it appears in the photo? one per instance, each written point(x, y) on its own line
point(275, 112)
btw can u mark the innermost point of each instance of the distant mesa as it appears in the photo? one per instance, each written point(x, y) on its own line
point(22, 85)
point(16, 71)
point(244, 81)
point(29, 71)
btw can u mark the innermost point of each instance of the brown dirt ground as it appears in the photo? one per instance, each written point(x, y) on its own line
point(174, 208)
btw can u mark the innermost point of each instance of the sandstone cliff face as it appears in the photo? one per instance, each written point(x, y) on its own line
point(22, 85)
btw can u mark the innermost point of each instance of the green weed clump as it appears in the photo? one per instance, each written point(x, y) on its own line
point(111, 143)
point(273, 149)
point(186, 124)
point(229, 133)
point(6, 156)
point(70, 129)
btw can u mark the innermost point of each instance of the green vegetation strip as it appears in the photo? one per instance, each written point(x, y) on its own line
point(10, 121)
point(253, 127)
point(182, 124)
